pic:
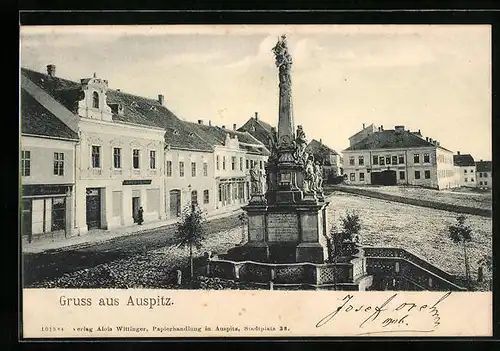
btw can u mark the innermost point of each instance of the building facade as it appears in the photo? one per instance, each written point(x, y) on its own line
point(484, 174)
point(466, 169)
point(399, 157)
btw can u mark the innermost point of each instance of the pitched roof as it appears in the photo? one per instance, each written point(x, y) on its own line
point(484, 166)
point(318, 147)
point(391, 139)
point(259, 129)
point(136, 109)
point(217, 136)
point(37, 120)
point(463, 160)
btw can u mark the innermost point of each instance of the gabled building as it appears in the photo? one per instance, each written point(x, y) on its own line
point(235, 153)
point(258, 128)
point(47, 171)
point(119, 156)
point(484, 174)
point(466, 169)
point(329, 159)
point(399, 156)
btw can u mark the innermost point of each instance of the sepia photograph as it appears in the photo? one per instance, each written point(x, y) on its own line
point(336, 158)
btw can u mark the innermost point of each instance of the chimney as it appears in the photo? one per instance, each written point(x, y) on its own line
point(320, 141)
point(161, 99)
point(256, 115)
point(200, 121)
point(458, 153)
point(426, 138)
point(363, 126)
point(379, 129)
point(419, 132)
point(234, 126)
point(51, 70)
point(210, 123)
point(382, 127)
point(223, 127)
point(118, 90)
point(399, 128)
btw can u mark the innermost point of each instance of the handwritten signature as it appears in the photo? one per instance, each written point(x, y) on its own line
point(387, 313)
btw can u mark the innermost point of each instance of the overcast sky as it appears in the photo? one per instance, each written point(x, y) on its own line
point(433, 78)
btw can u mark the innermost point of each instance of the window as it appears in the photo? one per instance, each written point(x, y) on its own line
point(480, 183)
point(382, 160)
point(465, 171)
point(401, 159)
point(96, 156)
point(217, 162)
point(58, 163)
point(181, 169)
point(260, 164)
point(417, 174)
point(361, 176)
point(241, 163)
point(25, 163)
point(351, 161)
point(426, 158)
point(224, 162)
point(152, 159)
point(117, 157)
point(472, 179)
point(416, 158)
point(169, 168)
point(402, 175)
point(375, 160)
point(206, 198)
point(135, 158)
point(194, 197)
point(220, 192)
point(233, 163)
point(427, 174)
point(394, 160)
point(361, 160)
point(193, 169)
point(352, 177)
point(485, 183)
point(465, 179)
point(247, 164)
point(205, 169)
point(388, 160)
point(95, 99)
point(480, 175)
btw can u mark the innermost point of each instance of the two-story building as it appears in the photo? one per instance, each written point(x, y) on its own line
point(399, 156)
point(484, 175)
point(119, 156)
point(466, 169)
point(235, 153)
point(47, 171)
point(331, 161)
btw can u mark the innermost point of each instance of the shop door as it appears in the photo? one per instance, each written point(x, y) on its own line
point(135, 207)
point(58, 213)
point(175, 203)
point(93, 208)
point(26, 218)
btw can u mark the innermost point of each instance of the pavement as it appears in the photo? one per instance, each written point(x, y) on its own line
point(100, 235)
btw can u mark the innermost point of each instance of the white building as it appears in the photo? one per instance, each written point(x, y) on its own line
point(484, 175)
point(466, 168)
point(399, 156)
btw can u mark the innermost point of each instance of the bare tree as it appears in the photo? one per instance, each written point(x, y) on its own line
point(460, 233)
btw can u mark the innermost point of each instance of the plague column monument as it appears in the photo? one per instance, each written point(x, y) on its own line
point(287, 222)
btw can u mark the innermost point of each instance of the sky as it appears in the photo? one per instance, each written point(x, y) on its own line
point(436, 78)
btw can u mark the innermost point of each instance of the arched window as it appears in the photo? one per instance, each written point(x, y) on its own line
point(95, 99)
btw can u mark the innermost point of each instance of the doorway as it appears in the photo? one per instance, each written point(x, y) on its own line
point(26, 218)
point(58, 213)
point(175, 203)
point(94, 208)
point(136, 203)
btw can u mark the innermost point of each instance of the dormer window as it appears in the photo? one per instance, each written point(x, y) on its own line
point(191, 134)
point(134, 104)
point(152, 108)
point(95, 99)
point(176, 132)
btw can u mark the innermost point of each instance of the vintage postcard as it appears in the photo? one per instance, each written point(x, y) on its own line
point(256, 181)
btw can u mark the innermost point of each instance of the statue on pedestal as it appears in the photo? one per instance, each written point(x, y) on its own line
point(300, 144)
point(309, 175)
point(318, 170)
point(255, 181)
point(273, 144)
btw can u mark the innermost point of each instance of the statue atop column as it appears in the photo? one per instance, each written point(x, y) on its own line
point(256, 181)
point(300, 144)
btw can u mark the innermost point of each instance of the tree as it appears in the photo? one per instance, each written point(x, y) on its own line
point(191, 232)
point(460, 233)
point(351, 225)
